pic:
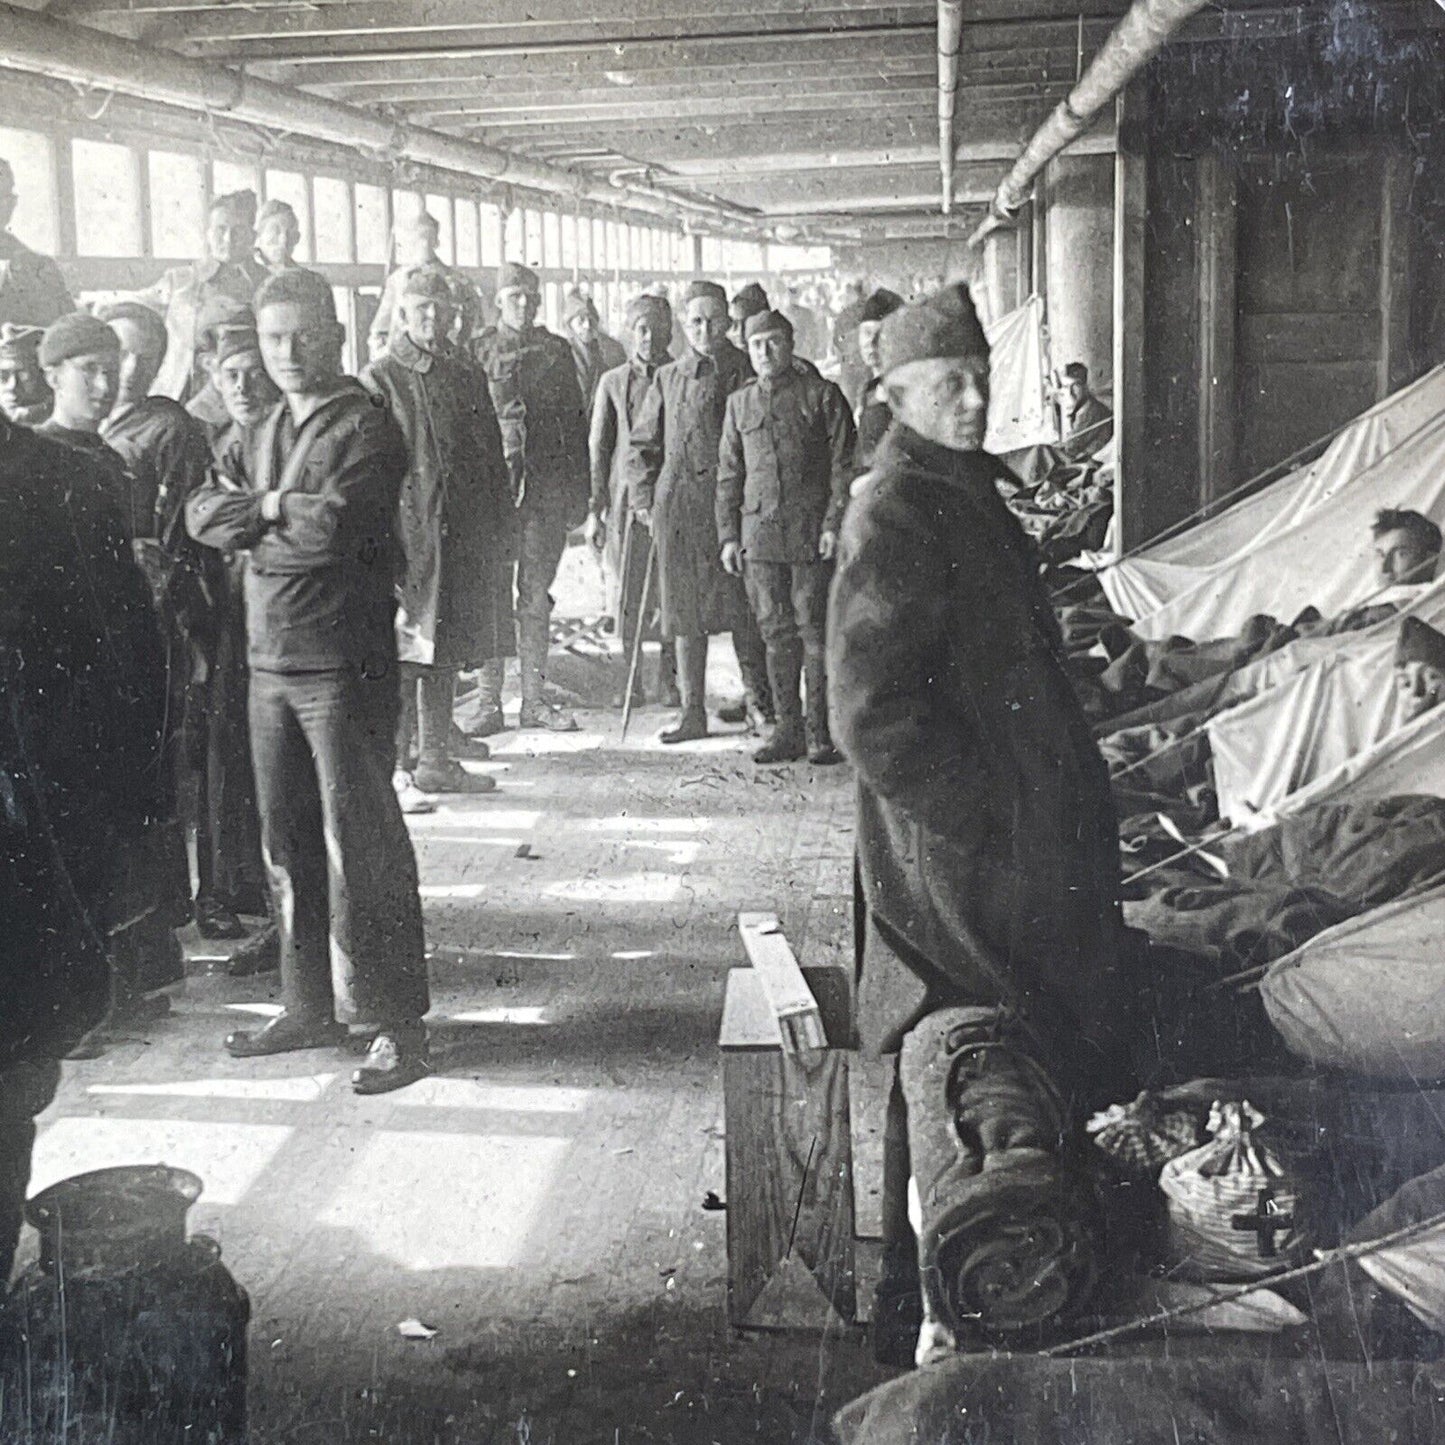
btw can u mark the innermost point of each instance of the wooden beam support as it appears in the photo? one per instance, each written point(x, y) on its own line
point(800, 1022)
point(1395, 360)
point(1215, 238)
point(1130, 338)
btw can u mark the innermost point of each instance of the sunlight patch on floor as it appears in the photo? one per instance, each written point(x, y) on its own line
point(451, 890)
point(445, 1093)
point(305, 1089)
point(228, 1157)
point(520, 1014)
point(540, 743)
point(430, 1207)
point(624, 823)
point(514, 820)
point(625, 888)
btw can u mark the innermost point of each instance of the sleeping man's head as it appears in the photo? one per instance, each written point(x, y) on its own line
point(1407, 546)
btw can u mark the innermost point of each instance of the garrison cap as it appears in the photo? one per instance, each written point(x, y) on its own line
point(143, 315)
point(79, 334)
point(1419, 642)
point(752, 300)
point(880, 305)
point(233, 338)
point(514, 276)
point(426, 283)
point(767, 323)
point(20, 343)
point(243, 203)
point(705, 291)
point(942, 325)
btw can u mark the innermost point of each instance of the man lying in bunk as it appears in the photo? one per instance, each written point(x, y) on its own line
point(1142, 671)
point(1168, 769)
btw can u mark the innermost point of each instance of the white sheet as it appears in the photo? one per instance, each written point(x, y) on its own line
point(1020, 412)
point(1140, 585)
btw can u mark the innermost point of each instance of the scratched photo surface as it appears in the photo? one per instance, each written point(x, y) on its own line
point(722, 724)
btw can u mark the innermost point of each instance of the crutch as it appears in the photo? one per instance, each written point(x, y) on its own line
point(637, 638)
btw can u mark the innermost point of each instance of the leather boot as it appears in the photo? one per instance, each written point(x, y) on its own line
point(787, 743)
point(820, 738)
point(491, 678)
point(533, 644)
point(759, 709)
point(692, 677)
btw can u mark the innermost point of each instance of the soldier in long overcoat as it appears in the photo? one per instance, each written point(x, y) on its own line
point(987, 846)
point(673, 484)
point(455, 524)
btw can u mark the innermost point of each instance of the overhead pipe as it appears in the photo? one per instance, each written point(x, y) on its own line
point(33, 43)
point(1133, 43)
point(950, 41)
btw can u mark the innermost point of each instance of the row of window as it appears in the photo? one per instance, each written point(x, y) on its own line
point(342, 221)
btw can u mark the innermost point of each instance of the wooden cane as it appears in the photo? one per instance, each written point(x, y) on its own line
point(637, 639)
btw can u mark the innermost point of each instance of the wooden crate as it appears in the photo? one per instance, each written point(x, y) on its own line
point(789, 1163)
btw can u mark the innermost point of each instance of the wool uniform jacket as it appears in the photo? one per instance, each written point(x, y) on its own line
point(456, 517)
point(594, 362)
point(319, 583)
point(615, 408)
point(784, 465)
point(987, 844)
point(533, 378)
point(672, 472)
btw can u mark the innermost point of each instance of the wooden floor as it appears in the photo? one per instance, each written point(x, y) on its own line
point(538, 1201)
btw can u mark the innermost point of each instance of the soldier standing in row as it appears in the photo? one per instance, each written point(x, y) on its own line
point(533, 381)
point(455, 528)
point(786, 459)
point(673, 483)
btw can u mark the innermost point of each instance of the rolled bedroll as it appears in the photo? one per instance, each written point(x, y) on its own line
point(1141, 585)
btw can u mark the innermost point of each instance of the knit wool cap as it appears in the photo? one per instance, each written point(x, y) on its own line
point(79, 334)
point(705, 290)
point(515, 277)
point(880, 305)
point(655, 308)
point(241, 203)
point(425, 283)
point(1419, 642)
point(767, 323)
point(752, 299)
point(20, 343)
point(579, 305)
point(152, 321)
point(943, 325)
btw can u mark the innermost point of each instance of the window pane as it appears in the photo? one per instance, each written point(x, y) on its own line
point(551, 240)
point(569, 241)
point(491, 218)
point(291, 187)
point(228, 176)
point(333, 219)
point(467, 251)
point(350, 361)
point(600, 253)
point(712, 257)
point(582, 243)
point(371, 237)
point(35, 215)
point(515, 245)
point(178, 207)
point(532, 237)
point(440, 209)
point(552, 305)
point(107, 199)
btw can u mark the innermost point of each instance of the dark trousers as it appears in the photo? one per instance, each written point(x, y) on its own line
point(427, 695)
point(338, 857)
point(790, 602)
point(541, 540)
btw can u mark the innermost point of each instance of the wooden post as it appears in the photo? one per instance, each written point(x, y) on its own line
point(1394, 366)
point(1218, 264)
point(1130, 339)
